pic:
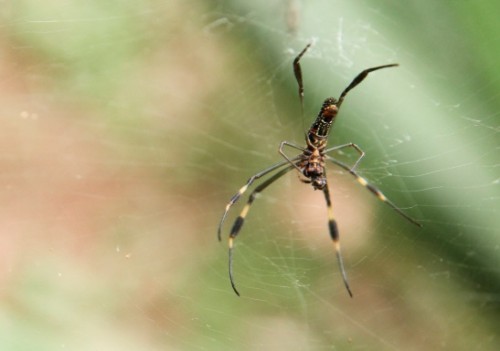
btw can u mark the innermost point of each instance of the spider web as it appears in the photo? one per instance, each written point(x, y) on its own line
point(128, 126)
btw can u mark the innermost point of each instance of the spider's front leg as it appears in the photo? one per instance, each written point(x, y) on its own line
point(238, 223)
point(334, 234)
point(374, 190)
point(242, 190)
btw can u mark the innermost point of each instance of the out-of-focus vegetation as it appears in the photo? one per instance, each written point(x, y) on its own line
point(127, 126)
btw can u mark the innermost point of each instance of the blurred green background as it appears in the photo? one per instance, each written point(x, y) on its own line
point(127, 126)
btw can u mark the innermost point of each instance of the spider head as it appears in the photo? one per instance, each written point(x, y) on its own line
point(314, 171)
point(318, 182)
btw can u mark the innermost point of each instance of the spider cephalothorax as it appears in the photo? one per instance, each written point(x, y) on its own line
point(310, 164)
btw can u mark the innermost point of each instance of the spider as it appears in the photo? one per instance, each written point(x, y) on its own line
point(310, 164)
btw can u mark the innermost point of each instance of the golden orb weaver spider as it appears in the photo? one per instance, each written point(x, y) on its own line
point(311, 167)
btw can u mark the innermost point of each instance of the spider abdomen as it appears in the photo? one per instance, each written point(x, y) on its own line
point(321, 126)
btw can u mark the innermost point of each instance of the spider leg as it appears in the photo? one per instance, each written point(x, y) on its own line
point(354, 146)
point(298, 75)
point(359, 78)
point(238, 223)
point(373, 190)
point(334, 233)
point(245, 188)
point(282, 153)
